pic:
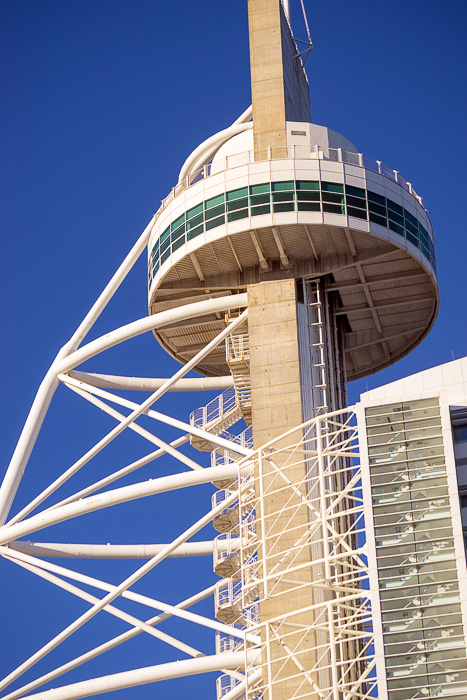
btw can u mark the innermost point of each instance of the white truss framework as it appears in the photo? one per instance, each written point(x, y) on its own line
point(334, 629)
point(303, 566)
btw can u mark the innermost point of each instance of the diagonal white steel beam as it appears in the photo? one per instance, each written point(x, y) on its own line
point(112, 610)
point(106, 646)
point(118, 590)
point(142, 408)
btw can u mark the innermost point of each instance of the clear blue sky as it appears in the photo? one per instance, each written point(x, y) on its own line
point(102, 102)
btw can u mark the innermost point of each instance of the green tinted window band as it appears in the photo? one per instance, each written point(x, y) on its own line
point(281, 186)
point(307, 184)
point(332, 187)
point(283, 196)
point(381, 211)
point(214, 201)
point(236, 215)
point(194, 221)
point(195, 210)
point(194, 232)
point(260, 189)
point(178, 244)
point(260, 199)
point(237, 204)
point(264, 209)
point(237, 194)
point(215, 222)
point(215, 211)
point(175, 224)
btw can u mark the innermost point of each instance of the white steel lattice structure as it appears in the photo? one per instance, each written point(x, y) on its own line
point(281, 264)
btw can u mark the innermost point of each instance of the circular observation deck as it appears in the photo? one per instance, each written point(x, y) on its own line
point(318, 212)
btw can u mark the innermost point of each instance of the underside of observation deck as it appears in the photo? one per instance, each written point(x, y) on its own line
point(386, 298)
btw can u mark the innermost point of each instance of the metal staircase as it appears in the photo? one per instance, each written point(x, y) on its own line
point(216, 417)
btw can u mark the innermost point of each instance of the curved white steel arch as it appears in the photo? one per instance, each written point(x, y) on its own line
point(150, 674)
point(24, 554)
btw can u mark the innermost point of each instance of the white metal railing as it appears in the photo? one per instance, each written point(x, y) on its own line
point(221, 456)
point(226, 553)
point(237, 347)
point(317, 152)
point(231, 594)
point(226, 643)
point(215, 410)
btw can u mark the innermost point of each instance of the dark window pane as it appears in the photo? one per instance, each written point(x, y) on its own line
point(355, 202)
point(215, 222)
point(395, 227)
point(241, 214)
point(194, 211)
point(155, 250)
point(308, 196)
point(215, 211)
point(156, 267)
point(330, 197)
point(260, 199)
point(165, 245)
point(237, 204)
point(394, 207)
point(396, 217)
point(460, 435)
point(175, 224)
point(178, 243)
point(333, 208)
point(413, 239)
point(423, 229)
point(194, 232)
point(377, 208)
point(283, 196)
point(355, 191)
point(289, 206)
point(214, 201)
point(260, 189)
point(195, 221)
point(378, 219)
point(307, 185)
point(425, 252)
point(178, 232)
point(164, 256)
point(410, 217)
point(281, 186)
point(308, 206)
point(358, 213)
point(332, 187)
point(164, 235)
point(373, 197)
point(411, 228)
point(256, 211)
point(236, 194)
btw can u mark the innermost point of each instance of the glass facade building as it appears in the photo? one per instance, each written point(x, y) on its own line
point(413, 439)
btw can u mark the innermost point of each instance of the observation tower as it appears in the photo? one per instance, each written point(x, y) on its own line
point(334, 252)
point(282, 264)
